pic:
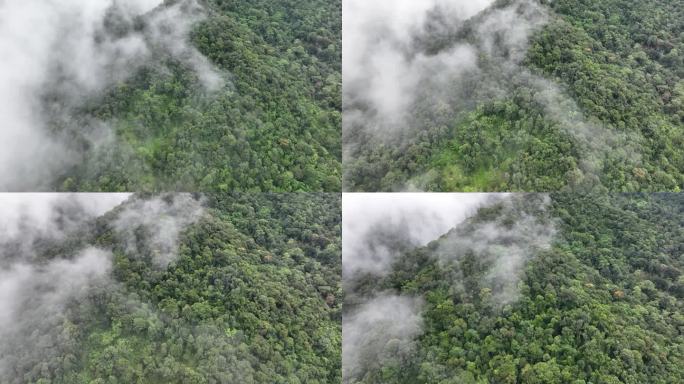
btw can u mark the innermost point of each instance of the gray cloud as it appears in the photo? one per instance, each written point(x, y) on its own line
point(376, 227)
point(391, 59)
point(503, 245)
point(380, 330)
point(162, 219)
point(169, 28)
point(594, 139)
point(51, 213)
point(408, 62)
point(379, 333)
point(500, 233)
point(48, 278)
point(56, 55)
point(384, 70)
point(33, 303)
point(31, 220)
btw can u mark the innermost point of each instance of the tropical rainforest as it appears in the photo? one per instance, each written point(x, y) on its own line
point(187, 95)
point(574, 95)
point(276, 128)
point(530, 289)
point(175, 288)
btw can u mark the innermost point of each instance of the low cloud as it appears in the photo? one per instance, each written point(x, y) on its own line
point(48, 277)
point(503, 245)
point(497, 235)
point(52, 213)
point(412, 70)
point(155, 224)
point(594, 139)
point(378, 227)
point(399, 53)
point(379, 333)
point(58, 55)
point(35, 220)
point(33, 305)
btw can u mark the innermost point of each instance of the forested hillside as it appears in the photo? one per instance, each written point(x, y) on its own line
point(593, 100)
point(191, 95)
point(177, 289)
point(571, 289)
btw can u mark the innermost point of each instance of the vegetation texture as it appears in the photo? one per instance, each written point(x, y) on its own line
point(617, 127)
point(252, 296)
point(273, 126)
point(603, 303)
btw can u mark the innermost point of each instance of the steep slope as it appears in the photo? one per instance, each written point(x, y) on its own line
point(595, 102)
point(190, 95)
point(575, 289)
point(224, 289)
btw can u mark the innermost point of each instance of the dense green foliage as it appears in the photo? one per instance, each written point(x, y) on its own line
point(275, 126)
point(619, 61)
point(603, 305)
point(253, 297)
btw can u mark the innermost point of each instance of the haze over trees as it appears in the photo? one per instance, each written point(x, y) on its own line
point(563, 288)
point(192, 95)
point(514, 95)
point(174, 288)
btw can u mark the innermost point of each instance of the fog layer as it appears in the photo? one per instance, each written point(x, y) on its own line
point(379, 333)
point(161, 220)
point(385, 239)
point(58, 55)
point(377, 227)
point(413, 69)
point(52, 272)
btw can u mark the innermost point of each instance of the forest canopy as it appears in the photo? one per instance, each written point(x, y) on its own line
point(173, 288)
point(530, 289)
point(171, 95)
point(514, 95)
